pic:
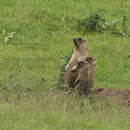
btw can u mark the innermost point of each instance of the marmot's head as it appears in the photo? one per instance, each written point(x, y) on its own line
point(79, 41)
point(81, 45)
point(91, 60)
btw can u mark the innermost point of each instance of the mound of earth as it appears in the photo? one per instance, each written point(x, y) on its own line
point(109, 93)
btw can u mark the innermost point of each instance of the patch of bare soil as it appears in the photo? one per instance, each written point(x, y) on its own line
point(110, 93)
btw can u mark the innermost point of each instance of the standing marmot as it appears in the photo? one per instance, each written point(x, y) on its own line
point(80, 49)
point(85, 68)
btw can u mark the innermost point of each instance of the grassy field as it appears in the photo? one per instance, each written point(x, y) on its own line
point(30, 62)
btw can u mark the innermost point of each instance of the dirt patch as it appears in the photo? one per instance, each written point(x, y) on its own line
point(110, 93)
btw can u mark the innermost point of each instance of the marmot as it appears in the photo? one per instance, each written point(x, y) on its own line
point(86, 69)
point(80, 49)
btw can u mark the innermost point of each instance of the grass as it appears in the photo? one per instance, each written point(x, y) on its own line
point(55, 111)
point(30, 62)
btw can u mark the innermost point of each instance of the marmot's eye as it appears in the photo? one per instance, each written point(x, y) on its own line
point(90, 58)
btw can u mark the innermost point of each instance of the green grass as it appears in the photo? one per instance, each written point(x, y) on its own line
point(30, 62)
point(55, 110)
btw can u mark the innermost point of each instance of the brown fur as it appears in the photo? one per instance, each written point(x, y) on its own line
point(85, 79)
point(80, 49)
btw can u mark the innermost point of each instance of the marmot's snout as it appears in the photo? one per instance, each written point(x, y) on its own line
point(77, 40)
